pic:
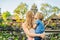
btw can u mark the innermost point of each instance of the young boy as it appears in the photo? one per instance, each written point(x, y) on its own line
point(38, 25)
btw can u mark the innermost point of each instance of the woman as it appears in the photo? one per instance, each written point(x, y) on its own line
point(28, 25)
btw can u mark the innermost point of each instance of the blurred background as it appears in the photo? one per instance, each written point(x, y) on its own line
point(12, 15)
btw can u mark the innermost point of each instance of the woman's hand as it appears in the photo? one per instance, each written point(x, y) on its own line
point(42, 35)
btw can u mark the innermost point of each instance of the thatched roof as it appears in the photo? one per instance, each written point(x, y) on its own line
point(11, 17)
point(56, 17)
point(53, 17)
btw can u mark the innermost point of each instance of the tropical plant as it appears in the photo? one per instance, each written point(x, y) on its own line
point(5, 15)
point(46, 8)
point(55, 10)
point(21, 9)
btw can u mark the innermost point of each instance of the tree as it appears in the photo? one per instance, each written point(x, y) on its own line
point(34, 8)
point(5, 15)
point(46, 8)
point(55, 10)
point(21, 9)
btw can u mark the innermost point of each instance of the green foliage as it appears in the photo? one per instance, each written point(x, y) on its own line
point(34, 8)
point(47, 8)
point(5, 15)
point(21, 9)
point(55, 9)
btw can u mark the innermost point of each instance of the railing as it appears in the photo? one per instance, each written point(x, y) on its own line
point(52, 31)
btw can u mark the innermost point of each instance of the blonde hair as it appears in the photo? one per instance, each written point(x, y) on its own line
point(39, 15)
point(29, 19)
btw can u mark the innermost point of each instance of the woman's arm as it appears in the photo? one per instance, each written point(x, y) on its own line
point(32, 34)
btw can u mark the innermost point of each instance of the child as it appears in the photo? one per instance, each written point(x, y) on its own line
point(38, 25)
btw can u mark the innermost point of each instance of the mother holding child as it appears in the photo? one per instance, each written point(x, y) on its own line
point(33, 26)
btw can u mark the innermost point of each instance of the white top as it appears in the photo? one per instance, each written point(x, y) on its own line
point(31, 31)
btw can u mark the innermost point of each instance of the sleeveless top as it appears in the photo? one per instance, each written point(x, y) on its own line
point(31, 31)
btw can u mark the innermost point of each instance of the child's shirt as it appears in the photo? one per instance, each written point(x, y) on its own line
point(39, 29)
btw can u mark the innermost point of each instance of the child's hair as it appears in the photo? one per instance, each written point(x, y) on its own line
point(29, 19)
point(39, 15)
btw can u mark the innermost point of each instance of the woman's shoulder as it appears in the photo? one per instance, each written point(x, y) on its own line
point(23, 24)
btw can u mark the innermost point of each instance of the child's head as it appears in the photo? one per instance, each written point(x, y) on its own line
point(39, 16)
